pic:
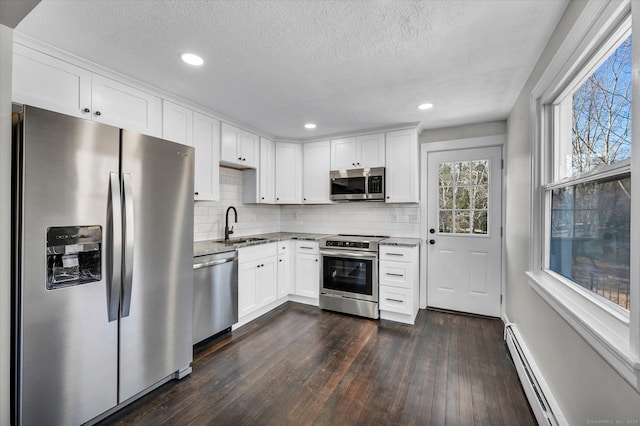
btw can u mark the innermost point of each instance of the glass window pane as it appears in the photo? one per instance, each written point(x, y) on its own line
point(445, 224)
point(601, 107)
point(480, 172)
point(462, 173)
point(462, 222)
point(480, 222)
point(446, 174)
point(480, 194)
point(591, 246)
point(446, 198)
point(462, 198)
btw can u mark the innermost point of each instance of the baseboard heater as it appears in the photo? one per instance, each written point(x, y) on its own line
point(540, 399)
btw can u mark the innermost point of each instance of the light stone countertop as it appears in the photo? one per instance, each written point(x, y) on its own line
point(405, 242)
point(201, 248)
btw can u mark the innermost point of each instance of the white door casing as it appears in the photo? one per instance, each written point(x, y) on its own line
point(464, 218)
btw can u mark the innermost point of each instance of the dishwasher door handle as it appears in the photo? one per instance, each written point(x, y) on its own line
point(213, 263)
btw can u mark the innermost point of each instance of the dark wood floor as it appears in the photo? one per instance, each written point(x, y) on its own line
point(299, 365)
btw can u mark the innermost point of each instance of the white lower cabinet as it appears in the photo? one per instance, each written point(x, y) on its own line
point(399, 283)
point(284, 269)
point(257, 277)
point(307, 268)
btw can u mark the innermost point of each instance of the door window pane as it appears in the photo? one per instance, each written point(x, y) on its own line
point(590, 236)
point(463, 197)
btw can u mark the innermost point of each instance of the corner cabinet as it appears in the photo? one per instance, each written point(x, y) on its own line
point(238, 148)
point(46, 82)
point(358, 152)
point(399, 283)
point(288, 173)
point(401, 173)
point(315, 173)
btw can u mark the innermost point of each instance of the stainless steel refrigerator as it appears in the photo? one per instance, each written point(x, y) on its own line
point(102, 276)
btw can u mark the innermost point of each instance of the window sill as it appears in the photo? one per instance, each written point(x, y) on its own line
point(605, 332)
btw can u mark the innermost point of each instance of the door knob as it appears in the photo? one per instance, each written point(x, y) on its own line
point(98, 113)
point(86, 110)
point(432, 242)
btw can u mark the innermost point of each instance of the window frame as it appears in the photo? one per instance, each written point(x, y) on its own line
point(613, 333)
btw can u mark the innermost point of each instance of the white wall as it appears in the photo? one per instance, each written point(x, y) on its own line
point(6, 52)
point(252, 218)
point(584, 385)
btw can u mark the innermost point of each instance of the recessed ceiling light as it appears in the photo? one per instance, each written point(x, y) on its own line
point(309, 126)
point(425, 106)
point(191, 59)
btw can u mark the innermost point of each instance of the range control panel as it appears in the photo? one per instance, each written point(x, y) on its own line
point(348, 244)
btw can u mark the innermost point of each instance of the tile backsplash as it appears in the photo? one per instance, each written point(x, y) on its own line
point(365, 218)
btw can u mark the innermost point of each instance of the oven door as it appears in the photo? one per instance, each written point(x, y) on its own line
point(349, 274)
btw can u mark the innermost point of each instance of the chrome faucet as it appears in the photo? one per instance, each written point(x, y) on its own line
point(228, 231)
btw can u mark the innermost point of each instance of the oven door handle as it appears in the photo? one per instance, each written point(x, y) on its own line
point(345, 253)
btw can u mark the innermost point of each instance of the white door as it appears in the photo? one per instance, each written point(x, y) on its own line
point(464, 198)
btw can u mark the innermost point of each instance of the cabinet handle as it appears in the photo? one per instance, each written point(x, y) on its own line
point(394, 275)
point(394, 254)
point(394, 300)
point(98, 113)
point(86, 110)
point(305, 247)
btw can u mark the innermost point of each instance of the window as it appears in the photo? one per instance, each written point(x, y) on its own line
point(463, 197)
point(590, 193)
point(585, 224)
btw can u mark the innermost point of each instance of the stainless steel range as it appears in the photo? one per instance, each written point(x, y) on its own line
point(349, 274)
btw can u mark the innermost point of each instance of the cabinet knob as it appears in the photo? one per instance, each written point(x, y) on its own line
point(277, 198)
point(353, 164)
point(98, 113)
point(358, 164)
point(316, 260)
point(262, 198)
point(244, 159)
point(196, 193)
point(240, 158)
point(387, 197)
point(280, 260)
point(304, 199)
point(86, 110)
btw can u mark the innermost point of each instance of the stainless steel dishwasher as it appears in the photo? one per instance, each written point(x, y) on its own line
point(215, 294)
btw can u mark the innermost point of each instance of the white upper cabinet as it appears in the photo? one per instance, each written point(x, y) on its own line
point(46, 82)
point(124, 106)
point(288, 173)
point(238, 148)
point(177, 123)
point(206, 141)
point(316, 167)
point(401, 173)
point(267, 171)
point(358, 152)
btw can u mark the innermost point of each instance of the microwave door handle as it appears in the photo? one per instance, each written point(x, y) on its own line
point(114, 247)
point(129, 240)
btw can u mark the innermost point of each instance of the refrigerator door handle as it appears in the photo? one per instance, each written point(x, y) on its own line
point(115, 246)
point(129, 235)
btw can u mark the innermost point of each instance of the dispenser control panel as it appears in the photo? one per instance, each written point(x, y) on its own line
point(74, 255)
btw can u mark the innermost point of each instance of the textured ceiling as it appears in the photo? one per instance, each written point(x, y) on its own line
point(346, 65)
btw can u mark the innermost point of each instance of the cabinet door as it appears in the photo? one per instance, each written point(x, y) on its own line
point(401, 173)
point(177, 123)
point(288, 173)
point(267, 281)
point(249, 149)
point(267, 172)
point(344, 154)
point(206, 140)
point(317, 164)
point(307, 275)
point(45, 82)
point(124, 106)
point(247, 279)
point(371, 150)
point(284, 274)
point(229, 145)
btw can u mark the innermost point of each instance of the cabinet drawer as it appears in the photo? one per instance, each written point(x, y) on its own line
point(398, 253)
point(395, 299)
point(248, 254)
point(304, 246)
point(397, 274)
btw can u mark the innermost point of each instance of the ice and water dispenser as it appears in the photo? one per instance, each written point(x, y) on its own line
point(74, 255)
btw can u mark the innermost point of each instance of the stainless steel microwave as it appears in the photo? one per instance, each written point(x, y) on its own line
point(357, 184)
